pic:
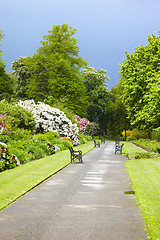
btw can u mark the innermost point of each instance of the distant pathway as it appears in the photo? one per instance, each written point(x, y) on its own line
point(81, 202)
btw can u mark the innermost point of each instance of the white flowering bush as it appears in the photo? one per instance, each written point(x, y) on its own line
point(51, 119)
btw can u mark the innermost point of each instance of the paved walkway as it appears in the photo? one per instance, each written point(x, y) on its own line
point(81, 202)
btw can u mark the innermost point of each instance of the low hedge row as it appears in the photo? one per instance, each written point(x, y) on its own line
point(25, 147)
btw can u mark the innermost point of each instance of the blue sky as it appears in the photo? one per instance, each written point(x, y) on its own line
point(105, 28)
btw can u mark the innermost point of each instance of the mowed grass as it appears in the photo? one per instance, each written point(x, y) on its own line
point(145, 177)
point(16, 182)
point(131, 148)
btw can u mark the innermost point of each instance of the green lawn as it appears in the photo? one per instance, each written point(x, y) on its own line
point(131, 148)
point(15, 182)
point(145, 177)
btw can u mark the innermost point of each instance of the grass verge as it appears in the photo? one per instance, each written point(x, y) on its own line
point(131, 148)
point(16, 182)
point(145, 177)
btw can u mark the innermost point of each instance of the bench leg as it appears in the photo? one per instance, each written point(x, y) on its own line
point(72, 159)
point(80, 157)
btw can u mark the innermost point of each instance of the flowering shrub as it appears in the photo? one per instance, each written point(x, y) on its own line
point(27, 150)
point(19, 117)
point(6, 125)
point(67, 139)
point(1, 128)
point(7, 160)
point(83, 124)
point(152, 145)
point(134, 134)
point(51, 119)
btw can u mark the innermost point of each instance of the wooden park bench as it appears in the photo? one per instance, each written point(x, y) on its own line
point(96, 143)
point(75, 155)
point(118, 148)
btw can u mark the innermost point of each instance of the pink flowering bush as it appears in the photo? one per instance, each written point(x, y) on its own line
point(6, 125)
point(83, 122)
point(7, 160)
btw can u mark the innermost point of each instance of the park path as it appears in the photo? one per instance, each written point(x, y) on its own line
point(81, 202)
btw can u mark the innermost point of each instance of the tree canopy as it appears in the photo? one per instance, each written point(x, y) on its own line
point(6, 82)
point(21, 72)
point(140, 79)
point(1, 37)
point(94, 78)
point(100, 104)
point(55, 70)
point(118, 117)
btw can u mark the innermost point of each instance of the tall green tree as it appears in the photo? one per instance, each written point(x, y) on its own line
point(20, 74)
point(6, 82)
point(94, 78)
point(38, 88)
point(100, 104)
point(140, 78)
point(1, 37)
point(55, 69)
point(119, 118)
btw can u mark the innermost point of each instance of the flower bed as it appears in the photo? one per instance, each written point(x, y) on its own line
point(152, 145)
point(7, 160)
